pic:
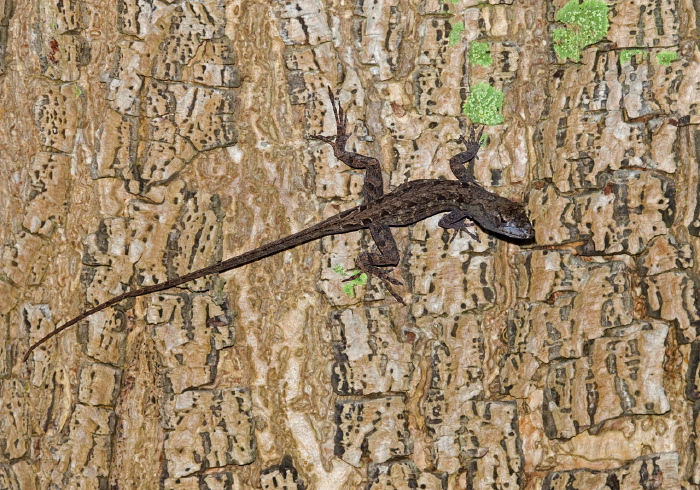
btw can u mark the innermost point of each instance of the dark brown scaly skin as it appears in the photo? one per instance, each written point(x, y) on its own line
point(413, 201)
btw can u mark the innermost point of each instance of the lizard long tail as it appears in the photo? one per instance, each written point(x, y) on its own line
point(333, 225)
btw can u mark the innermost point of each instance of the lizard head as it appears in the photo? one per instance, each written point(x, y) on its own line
point(507, 218)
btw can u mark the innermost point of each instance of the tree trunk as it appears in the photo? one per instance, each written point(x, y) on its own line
point(139, 150)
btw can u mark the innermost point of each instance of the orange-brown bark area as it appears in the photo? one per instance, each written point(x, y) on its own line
point(144, 139)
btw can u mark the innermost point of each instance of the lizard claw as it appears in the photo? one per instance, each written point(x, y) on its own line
point(388, 281)
point(341, 118)
point(473, 136)
point(473, 235)
point(365, 267)
point(468, 156)
point(458, 221)
point(393, 293)
point(465, 229)
point(320, 137)
point(385, 278)
point(341, 123)
point(473, 143)
point(353, 277)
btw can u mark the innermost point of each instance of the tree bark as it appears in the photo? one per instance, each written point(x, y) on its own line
point(145, 139)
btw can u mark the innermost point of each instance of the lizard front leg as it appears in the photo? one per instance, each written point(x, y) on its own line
point(456, 220)
point(472, 145)
point(386, 256)
point(373, 187)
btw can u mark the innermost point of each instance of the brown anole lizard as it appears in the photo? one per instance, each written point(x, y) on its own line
point(410, 202)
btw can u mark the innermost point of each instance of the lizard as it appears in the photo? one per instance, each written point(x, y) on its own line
point(463, 199)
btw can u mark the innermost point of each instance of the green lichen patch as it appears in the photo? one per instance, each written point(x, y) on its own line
point(453, 2)
point(479, 54)
point(483, 106)
point(626, 55)
point(456, 33)
point(587, 24)
point(666, 57)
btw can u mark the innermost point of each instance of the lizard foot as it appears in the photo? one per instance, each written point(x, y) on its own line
point(365, 267)
point(341, 121)
point(473, 143)
point(386, 279)
point(465, 227)
point(383, 275)
point(468, 156)
point(457, 220)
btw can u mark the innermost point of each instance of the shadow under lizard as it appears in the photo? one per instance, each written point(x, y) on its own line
point(409, 203)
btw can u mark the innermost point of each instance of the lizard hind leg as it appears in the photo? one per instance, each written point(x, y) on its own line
point(386, 256)
point(373, 187)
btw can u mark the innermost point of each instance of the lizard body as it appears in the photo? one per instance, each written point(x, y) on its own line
point(407, 204)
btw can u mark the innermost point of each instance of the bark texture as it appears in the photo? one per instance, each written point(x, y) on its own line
point(144, 139)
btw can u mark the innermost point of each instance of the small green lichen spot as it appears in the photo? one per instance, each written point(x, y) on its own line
point(588, 24)
point(479, 54)
point(456, 33)
point(453, 2)
point(483, 106)
point(666, 57)
point(627, 54)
